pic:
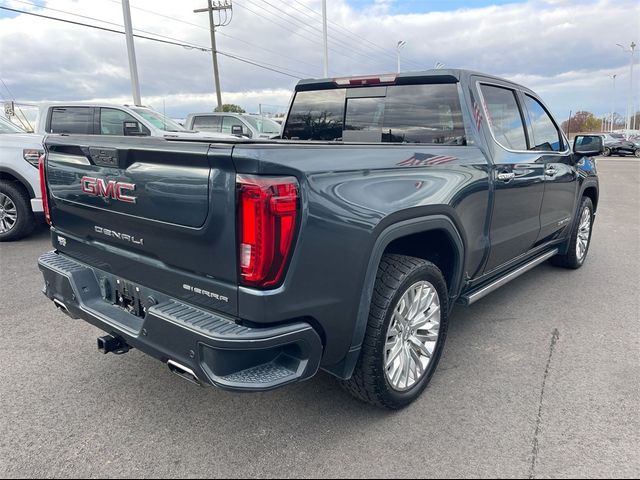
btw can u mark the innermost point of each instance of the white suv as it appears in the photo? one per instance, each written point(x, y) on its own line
point(20, 199)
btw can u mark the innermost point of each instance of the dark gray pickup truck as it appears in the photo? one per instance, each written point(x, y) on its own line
point(343, 246)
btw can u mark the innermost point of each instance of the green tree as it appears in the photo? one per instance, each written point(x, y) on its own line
point(231, 108)
point(582, 122)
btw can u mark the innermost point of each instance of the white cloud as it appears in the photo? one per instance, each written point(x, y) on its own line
point(560, 48)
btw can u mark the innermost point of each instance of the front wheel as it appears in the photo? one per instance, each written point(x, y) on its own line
point(580, 238)
point(16, 218)
point(405, 335)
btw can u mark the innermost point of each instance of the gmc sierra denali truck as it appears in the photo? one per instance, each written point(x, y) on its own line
point(343, 246)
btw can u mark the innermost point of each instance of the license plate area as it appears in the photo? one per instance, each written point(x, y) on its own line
point(128, 297)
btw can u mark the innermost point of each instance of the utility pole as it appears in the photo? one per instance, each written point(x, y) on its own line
point(324, 39)
point(131, 51)
point(222, 8)
point(613, 95)
point(631, 50)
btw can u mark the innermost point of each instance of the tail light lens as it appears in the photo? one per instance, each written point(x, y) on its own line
point(43, 189)
point(32, 156)
point(267, 219)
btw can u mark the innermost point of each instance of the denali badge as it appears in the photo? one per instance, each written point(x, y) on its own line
point(120, 236)
point(99, 187)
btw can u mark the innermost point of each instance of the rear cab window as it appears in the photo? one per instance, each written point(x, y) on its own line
point(78, 120)
point(426, 114)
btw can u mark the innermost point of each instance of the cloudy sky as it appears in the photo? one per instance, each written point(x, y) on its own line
point(563, 49)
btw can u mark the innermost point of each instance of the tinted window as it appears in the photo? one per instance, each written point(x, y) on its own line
point(504, 117)
point(401, 113)
point(423, 114)
point(112, 121)
point(72, 120)
point(207, 123)
point(316, 115)
point(228, 122)
point(545, 134)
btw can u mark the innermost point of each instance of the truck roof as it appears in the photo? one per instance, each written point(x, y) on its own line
point(448, 75)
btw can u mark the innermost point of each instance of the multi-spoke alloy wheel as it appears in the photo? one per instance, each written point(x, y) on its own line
point(580, 237)
point(584, 234)
point(405, 333)
point(8, 213)
point(412, 336)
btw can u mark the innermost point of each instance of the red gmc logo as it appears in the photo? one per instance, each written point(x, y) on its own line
point(98, 187)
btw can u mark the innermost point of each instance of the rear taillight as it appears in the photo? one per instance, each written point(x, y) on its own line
point(43, 189)
point(32, 156)
point(267, 218)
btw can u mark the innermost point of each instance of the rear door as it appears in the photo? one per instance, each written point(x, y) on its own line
point(518, 177)
point(131, 206)
point(560, 173)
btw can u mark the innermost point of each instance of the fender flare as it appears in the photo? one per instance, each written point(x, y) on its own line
point(21, 179)
point(389, 234)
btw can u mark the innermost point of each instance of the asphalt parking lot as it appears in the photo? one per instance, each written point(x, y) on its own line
point(539, 379)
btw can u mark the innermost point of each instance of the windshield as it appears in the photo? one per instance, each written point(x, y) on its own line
point(262, 124)
point(158, 120)
point(7, 127)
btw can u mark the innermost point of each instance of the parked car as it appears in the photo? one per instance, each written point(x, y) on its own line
point(344, 247)
point(20, 199)
point(616, 144)
point(238, 124)
point(104, 119)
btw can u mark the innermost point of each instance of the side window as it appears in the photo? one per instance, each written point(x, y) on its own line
point(72, 120)
point(207, 123)
point(228, 122)
point(503, 115)
point(112, 121)
point(545, 134)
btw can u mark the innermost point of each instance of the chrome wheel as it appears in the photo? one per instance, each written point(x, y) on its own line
point(8, 213)
point(584, 233)
point(412, 336)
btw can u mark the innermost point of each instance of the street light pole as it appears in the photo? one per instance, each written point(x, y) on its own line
point(131, 52)
point(324, 39)
point(399, 45)
point(613, 95)
point(630, 98)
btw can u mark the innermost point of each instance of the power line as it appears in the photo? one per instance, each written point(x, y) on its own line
point(351, 33)
point(169, 42)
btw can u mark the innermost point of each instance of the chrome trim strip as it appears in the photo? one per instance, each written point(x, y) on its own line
point(475, 296)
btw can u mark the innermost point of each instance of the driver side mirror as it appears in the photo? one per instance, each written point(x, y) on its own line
point(588, 145)
point(237, 130)
point(132, 129)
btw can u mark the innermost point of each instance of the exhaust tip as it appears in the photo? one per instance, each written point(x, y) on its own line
point(183, 372)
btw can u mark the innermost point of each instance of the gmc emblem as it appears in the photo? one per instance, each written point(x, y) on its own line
point(98, 187)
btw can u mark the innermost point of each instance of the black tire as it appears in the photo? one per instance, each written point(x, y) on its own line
point(25, 220)
point(571, 259)
point(396, 274)
point(637, 152)
point(606, 152)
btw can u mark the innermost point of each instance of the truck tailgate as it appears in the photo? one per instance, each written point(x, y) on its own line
point(155, 212)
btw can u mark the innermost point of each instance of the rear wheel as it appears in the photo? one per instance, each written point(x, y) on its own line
point(405, 335)
point(16, 218)
point(637, 152)
point(580, 238)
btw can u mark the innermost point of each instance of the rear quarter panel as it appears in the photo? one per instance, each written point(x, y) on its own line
point(349, 194)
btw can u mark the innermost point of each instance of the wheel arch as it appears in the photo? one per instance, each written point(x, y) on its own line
point(404, 233)
point(12, 176)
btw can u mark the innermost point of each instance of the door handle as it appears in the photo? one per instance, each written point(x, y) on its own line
point(506, 176)
point(550, 171)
